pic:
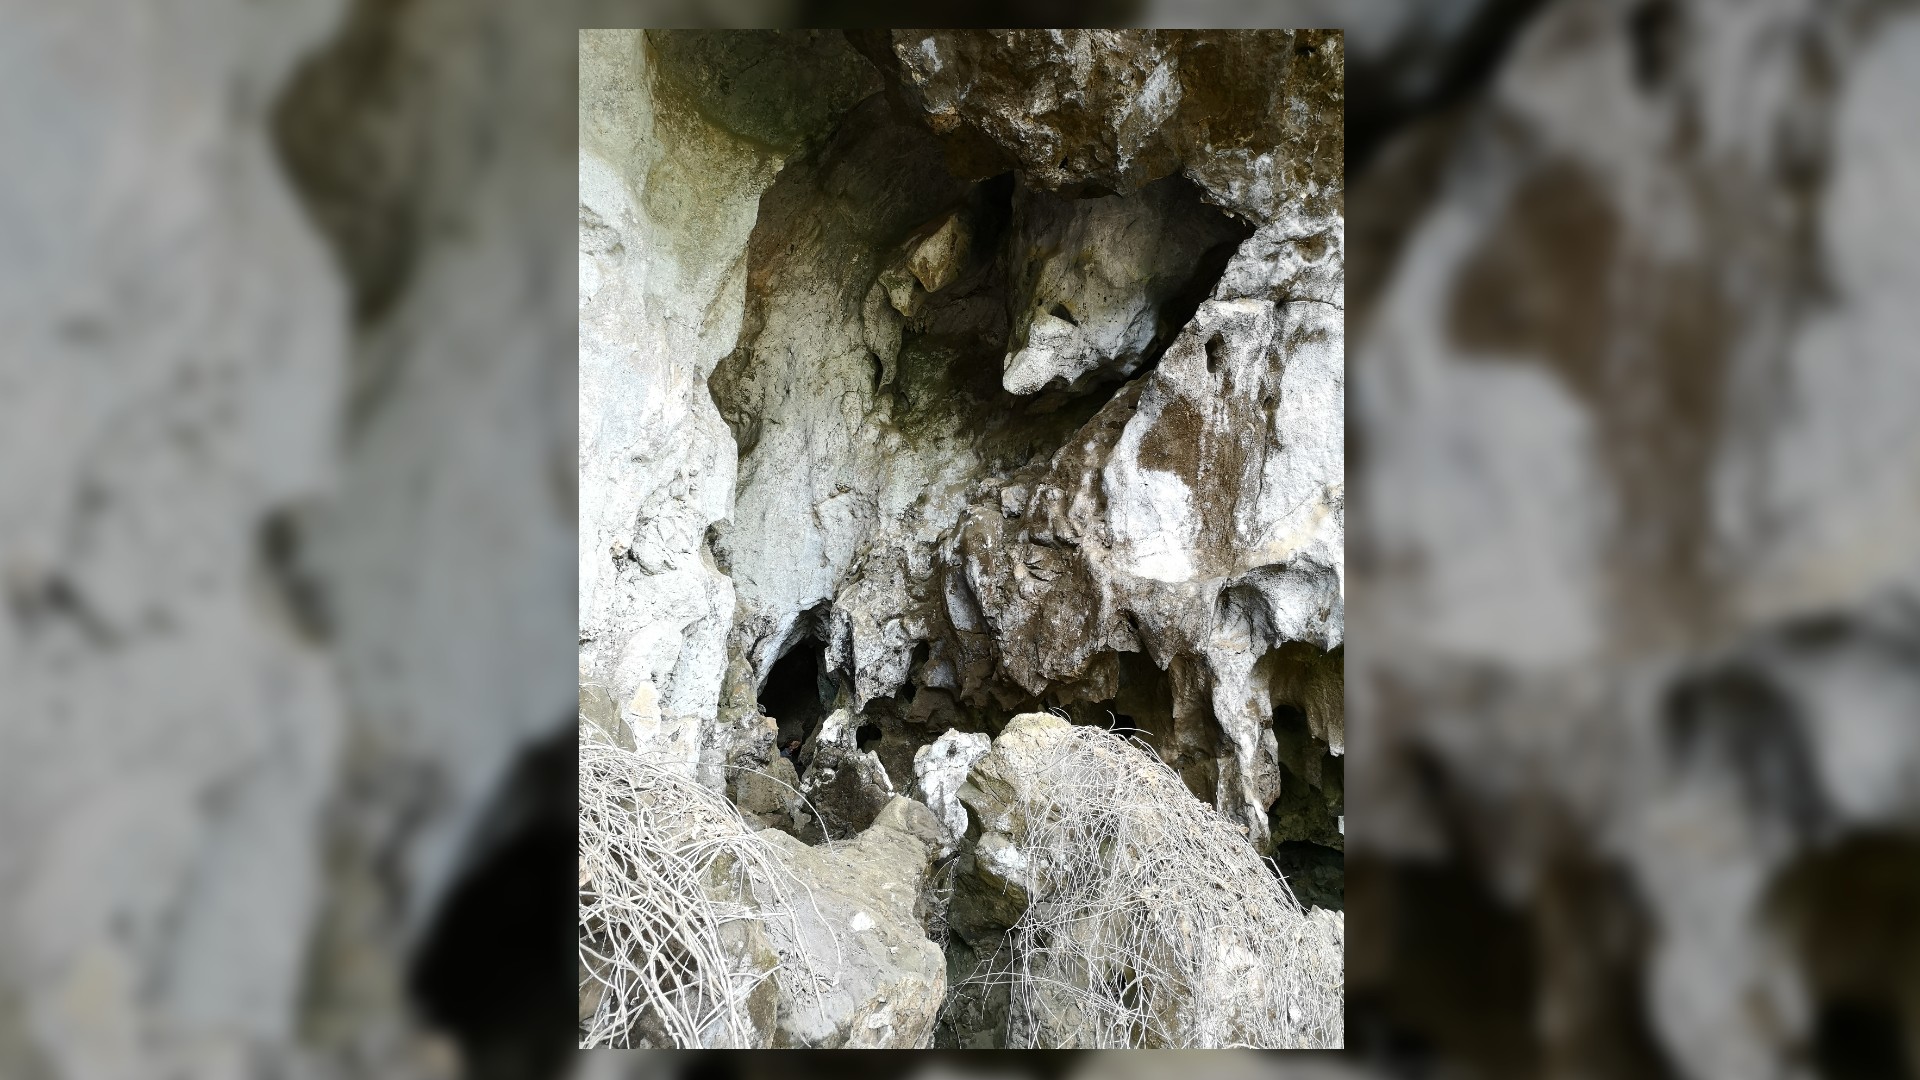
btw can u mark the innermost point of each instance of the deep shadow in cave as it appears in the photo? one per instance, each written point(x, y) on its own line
point(800, 690)
point(497, 966)
point(1849, 913)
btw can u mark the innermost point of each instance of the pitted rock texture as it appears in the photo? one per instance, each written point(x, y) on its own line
point(1093, 280)
point(864, 922)
point(1254, 117)
point(1634, 372)
point(1035, 386)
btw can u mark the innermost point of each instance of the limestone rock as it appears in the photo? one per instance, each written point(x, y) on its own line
point(844, 786)
point(887, 979)
point(679, 137)
point(1255, 118)
point(1096, 281)
point(771, 797)
point(939, 768)
point(1094, 860)
point(938, 257)
point(1036, 398)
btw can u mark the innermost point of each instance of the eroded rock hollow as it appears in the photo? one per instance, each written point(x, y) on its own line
point(934, 379)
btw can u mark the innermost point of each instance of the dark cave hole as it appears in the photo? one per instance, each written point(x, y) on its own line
point(1180, 308)
point(1289, 719)
point(1859, 1040)
point(1315, 873)
point(868, 734)
point(1216, 348)
point(496, 968)
point(1738, 721)
point(1847, 911)
point(1653, 27)
point(916, 664)
point(1059, 311)
point(799, 691)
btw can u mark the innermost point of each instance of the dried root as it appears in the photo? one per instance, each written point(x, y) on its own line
point(676, 893)
point(1152, 922)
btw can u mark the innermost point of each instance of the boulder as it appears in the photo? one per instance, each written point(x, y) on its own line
point(845, 787)
point(939, 769)
point(861, 921)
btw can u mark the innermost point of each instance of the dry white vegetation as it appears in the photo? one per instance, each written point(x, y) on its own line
point(1153, 922)
point(676, 893)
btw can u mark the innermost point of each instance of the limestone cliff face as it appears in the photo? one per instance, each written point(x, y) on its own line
point(942, 377)
point(990, 436)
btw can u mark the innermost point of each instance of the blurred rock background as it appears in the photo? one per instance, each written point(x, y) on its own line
point(287, 535)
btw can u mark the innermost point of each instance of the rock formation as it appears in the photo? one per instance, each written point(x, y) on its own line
point(1633, 364)
point(927, 379)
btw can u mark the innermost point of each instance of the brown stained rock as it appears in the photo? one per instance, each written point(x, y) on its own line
point(1255, 118)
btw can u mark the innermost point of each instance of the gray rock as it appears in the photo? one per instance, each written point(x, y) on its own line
point(939, 768)
point(887, 978)
point(844, 787)
point(1094, 279)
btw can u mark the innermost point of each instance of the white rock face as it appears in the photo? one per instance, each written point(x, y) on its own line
point(1090, 296)
point(1067, 435)
point(1063, 810)
point(174, 376)
point(667, 202)
point(888, 980)
point(939, 768)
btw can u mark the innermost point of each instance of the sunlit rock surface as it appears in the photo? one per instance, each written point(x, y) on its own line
point(1009, 375)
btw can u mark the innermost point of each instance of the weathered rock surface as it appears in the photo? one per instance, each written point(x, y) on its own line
point(1036, 396)
point(1254, 117)
point(1093, 278)
point(845, 786)
point(864, 925)
point(939, 768)
point(1051, 804)
point(668, 199)
point(1633, 377)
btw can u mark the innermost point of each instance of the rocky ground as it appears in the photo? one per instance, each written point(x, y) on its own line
point(932, 379)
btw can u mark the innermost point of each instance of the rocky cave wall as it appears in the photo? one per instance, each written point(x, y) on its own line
point(1004, 369)
point(932, 379)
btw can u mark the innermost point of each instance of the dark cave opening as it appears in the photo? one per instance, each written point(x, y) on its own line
point(1859, 1040)
point(1315, 873)
point(868, 735)
point(800, 690)
point(497, 965)
point(1849, 912)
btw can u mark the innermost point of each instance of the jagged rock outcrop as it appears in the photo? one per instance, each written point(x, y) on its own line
point(939, 768)
point(1092, 280)
point(1633, 367)
point(697, 930)
point(1035, 390)
point(865, 922)
point(845, 786)
point(1093, 867)
point(1195, 515)
point(674, 154)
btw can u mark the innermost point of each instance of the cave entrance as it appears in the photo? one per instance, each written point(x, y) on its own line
point(1849, 914)
point(800, 690)
point(496, 967)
